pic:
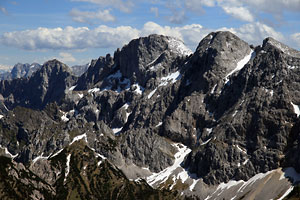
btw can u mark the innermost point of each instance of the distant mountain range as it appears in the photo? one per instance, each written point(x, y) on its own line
point(20, 70)
point(155, 121)
point(26, 70)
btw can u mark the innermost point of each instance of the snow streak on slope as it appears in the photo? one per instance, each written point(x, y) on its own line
point(40, 157)
point(157, 178)
point(240, 64)
point(67, 170)
point(79, 137)
point(171, 78)
point(8, 153)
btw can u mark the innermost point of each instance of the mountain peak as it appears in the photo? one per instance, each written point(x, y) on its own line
point(55, 66)
point(144, 54)
point(271, 42)
point(220, 52)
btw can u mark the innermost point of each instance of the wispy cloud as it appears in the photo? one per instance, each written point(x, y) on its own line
point(124, 6)
point(90, 17)
point(3, 10)
point(241, 13)
point(243, 10)
point(154, 10)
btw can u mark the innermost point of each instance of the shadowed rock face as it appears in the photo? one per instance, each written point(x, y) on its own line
point(235, 106)
point(45, 86)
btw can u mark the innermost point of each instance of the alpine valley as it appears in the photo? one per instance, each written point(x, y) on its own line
point(156, 121)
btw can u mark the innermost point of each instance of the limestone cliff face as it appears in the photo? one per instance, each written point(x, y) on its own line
point(234, 107)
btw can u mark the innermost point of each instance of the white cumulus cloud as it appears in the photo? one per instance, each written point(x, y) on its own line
point(241, 13)
point(66, 57)
point(254, 33)
point(70, 38)
point(190, 34)
point(82, 38)
point(88, 17)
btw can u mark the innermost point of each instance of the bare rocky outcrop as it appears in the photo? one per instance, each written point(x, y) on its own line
point(234, 105)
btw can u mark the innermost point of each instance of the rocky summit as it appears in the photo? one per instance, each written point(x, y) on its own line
point(156, 121)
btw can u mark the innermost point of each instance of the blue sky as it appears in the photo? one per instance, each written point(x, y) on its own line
point(76, 31)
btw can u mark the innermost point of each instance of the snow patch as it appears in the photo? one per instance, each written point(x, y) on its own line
point(64, 117)
point(178, 46)
point(162, 176)
point(151, 93)
point(80, 95)
point(156, 67)
point(245, 162)
point(292, 67)
point(235, 112)
point(213, 90)
point(139, 89)
point(55, 154)
point(241, 64)
point(116, 131)
point(272, 93)
point(159, 124)
point(192, 186)
point(125, 106)
point(296, 109)
point(173, 77)
point(209, 130)
point(240, 149)
point(154, 61)
point(99, 163)
point(99, 155)
point(40, 157)
point(8, 153)
point(79, 137)
point(93, 90)
point(67, 170)
point(72, 88)
point(207, 141)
